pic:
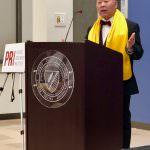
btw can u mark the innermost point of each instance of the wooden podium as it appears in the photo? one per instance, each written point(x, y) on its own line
point(91, 118)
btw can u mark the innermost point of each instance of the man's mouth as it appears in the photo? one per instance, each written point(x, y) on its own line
point(103, 11)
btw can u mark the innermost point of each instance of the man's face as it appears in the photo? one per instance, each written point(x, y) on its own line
point(106, 8)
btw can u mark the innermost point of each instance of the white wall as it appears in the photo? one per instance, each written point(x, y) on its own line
point(6, 106)
point(62, 6)
point(27, 20)
point(38, 20)
point(7, 23)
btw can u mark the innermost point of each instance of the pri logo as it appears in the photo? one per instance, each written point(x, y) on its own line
point(9, 58)
point(52, 79)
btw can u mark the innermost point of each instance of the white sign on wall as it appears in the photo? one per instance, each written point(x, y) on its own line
point(14, 58)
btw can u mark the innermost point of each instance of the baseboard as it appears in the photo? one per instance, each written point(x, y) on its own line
point(10, 116)
point(141, 125)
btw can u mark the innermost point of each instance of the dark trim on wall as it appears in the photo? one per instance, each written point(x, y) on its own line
point(18, 21)
point(141, 125)
point(10, 116)
point(119, 4)
point(82, 21)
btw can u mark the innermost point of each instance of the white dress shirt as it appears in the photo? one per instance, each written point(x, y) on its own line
point(106, 29)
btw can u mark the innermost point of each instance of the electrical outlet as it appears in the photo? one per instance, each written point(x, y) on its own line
point(60, 19)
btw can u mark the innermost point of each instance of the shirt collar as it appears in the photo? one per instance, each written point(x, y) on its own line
point(110, 19)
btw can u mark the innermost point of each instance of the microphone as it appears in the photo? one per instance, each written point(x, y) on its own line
point(74, 13)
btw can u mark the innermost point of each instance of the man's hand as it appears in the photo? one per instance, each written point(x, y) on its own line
point(130, 43)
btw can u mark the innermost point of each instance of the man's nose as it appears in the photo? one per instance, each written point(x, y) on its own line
point(102, 4)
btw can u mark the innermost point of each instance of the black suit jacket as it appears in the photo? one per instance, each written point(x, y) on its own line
point(130, 86)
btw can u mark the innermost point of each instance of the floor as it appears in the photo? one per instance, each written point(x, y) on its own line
point(10, 138)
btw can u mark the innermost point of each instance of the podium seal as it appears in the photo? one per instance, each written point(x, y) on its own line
point(52, 79)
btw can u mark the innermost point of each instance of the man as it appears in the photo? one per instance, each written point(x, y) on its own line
point(114, 31)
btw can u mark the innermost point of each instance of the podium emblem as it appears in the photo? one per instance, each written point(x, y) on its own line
point(52, 79)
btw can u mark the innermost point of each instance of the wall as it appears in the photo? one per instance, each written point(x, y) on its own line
point(7, 23)
point(55, 34)
point(34, 20)
point(124, 7)
point(27, 20)
point(83, 21)
point(6, 106)
point(140, 12)
point(38, 20)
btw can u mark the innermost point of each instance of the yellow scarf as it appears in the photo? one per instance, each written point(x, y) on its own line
point(116, 40)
